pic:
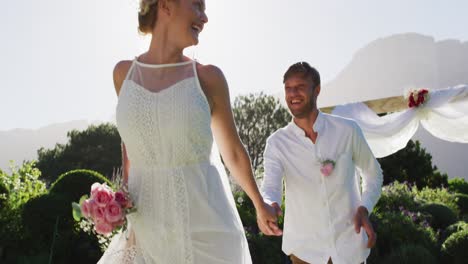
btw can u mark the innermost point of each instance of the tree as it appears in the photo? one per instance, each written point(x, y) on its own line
point(414, 165)
point(96, 148)
point(257, 116)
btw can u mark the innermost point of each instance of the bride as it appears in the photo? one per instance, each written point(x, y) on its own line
point(170, 112)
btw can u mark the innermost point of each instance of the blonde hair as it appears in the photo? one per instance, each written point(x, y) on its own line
point(147, 16)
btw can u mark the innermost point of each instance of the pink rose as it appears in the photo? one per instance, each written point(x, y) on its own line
point(103, 196)
point(113, 212)
point(121, 199)
point(98, 212)
point(326, 169)
point(102, 227)
point(94, 189)
point(86, 208)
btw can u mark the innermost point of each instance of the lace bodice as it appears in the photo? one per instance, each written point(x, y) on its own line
point(165, 114)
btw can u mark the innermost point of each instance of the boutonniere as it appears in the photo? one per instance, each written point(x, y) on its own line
point(327, 166)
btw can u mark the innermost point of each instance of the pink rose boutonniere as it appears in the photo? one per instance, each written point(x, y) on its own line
point(327, 166)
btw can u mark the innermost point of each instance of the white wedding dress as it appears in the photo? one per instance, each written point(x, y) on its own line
point(185, 210)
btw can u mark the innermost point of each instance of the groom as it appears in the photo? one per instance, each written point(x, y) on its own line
point(327, 217)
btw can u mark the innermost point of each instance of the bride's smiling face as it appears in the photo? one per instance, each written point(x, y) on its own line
point(188, 18)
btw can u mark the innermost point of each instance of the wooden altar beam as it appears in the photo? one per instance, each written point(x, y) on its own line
point(380, 106)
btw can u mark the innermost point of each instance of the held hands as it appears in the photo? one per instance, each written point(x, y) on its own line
point(361, 219)
point(267, 217)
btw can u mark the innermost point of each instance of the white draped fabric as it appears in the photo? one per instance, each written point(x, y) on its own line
point(444, 115)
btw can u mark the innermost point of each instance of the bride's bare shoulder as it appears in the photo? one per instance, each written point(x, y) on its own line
point(120, 71)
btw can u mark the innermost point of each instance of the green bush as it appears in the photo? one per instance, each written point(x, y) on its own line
point(3, 194)
point(462, 201)
point(439, 195)
point(246, 211)
point(455, 248)
point(396, 195)
point(395, 229)
point(77, 183)
point(23, 184)
point(458, 185)
point(265, 249)
point(442, 215)
point(49, 216)
point(410, 254)
point(454, 228)
point(40, 216)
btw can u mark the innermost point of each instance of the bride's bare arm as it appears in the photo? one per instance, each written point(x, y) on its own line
point(120, 71)
point(232, 150)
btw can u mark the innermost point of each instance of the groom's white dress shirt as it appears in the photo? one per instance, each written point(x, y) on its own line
point(319, 210)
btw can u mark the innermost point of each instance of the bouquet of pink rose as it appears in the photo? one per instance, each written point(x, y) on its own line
point(105, 208)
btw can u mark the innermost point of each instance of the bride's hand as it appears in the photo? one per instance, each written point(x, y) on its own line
point(267, 219)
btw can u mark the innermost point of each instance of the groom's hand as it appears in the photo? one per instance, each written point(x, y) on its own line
point(361, 219)
point(267, 220)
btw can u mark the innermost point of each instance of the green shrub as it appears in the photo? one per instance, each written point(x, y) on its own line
point(49, 215)
point(442, 215)
point(76, 183)
point(3, 194)
point(410, 254)
point(458, 185)
point(458, 226)
point(462, 201)
point(246, 211)
point(455, 248)
point(395, 229)
point(439, 195)
point(23, 184)
point(265, 249)
point(396, 195)
point(40, 217)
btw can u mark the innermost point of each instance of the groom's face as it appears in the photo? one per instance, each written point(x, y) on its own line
point(300, 95)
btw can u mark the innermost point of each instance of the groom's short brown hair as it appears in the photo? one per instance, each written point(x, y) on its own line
point(305, 70)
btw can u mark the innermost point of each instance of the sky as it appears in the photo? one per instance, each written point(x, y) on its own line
point(57, 56)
